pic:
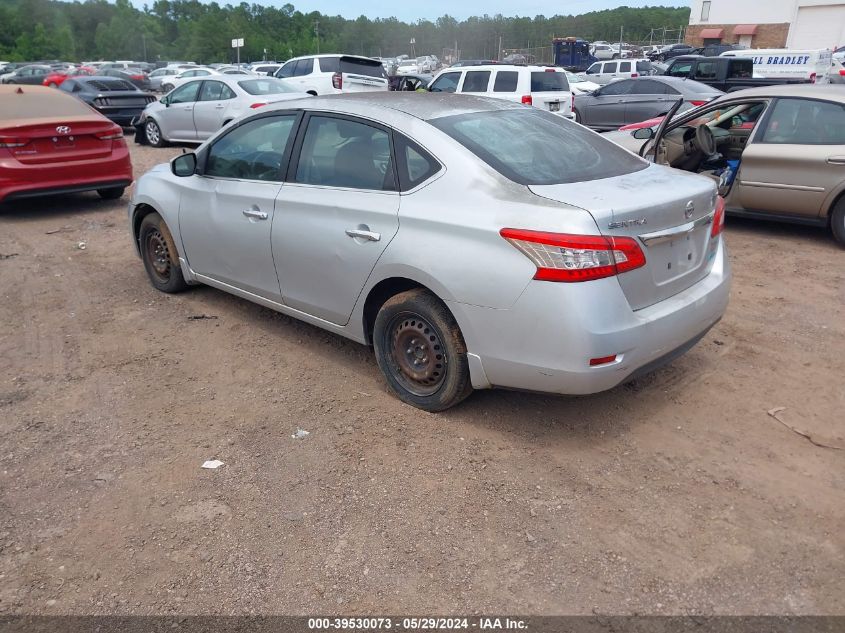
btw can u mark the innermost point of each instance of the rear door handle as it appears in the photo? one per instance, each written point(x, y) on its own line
point(255, 213)
point(220, 106)
point(365, 235)
point(836, 160)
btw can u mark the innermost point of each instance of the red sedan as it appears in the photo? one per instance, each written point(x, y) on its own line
point(55, 79)
point(51, 142)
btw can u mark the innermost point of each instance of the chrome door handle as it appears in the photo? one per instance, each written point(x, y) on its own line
point(188, 108)
point(255, 213)
point(836, 160)
point(365, 235)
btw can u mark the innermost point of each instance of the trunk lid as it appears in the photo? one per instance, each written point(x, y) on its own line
point(57, 140)
point(669, 213)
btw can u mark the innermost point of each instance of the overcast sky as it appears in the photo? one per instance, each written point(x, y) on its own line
point(410, 11)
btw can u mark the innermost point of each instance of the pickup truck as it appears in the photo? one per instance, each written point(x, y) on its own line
point(725, 73)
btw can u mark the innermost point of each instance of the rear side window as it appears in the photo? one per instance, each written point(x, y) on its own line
point(650, 87)
point(506, 81)
point(806, 122)
point(543, 81)
point(342, 153)
point(705, 70)
point(415, 164)
point(624, 67)
point(447, 82)
point(268, 86)
point(215, 91)
point(525, 144)
point(329, 64)
point(476, 81)
point(740, 68)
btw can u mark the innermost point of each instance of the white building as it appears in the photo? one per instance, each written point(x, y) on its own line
point(797, 24)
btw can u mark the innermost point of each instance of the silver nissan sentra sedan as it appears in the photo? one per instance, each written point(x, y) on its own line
point(474, 243)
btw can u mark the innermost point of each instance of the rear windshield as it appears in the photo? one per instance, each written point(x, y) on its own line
point(38, 104)
point(109, 85)
point(366, 67)
point(644, 67)
point(533, 147)
point(549, 82)
point(269, 86)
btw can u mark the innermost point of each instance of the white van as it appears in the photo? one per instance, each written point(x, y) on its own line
point(782, 63)
point(543, 87)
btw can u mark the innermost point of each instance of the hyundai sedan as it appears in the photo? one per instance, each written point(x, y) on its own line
point(449, 232)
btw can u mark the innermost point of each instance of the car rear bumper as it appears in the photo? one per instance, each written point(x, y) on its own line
point(545, 341)
point(29, 181)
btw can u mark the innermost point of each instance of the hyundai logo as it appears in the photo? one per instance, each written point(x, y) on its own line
point(63, 129)
point(689, 210)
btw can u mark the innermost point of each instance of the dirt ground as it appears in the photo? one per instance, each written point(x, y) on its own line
point(677, 494)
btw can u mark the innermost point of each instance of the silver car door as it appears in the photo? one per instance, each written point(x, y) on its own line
point(210, 108)
point(177, 121)
point(607, 106)
point(226, 212)
point(335, 215)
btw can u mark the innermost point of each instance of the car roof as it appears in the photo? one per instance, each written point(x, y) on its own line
point(425, 106)
point(831, 92)
point(477, 67)
point(293, 59)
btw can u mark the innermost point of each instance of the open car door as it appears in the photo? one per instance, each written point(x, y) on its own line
point(649, 148)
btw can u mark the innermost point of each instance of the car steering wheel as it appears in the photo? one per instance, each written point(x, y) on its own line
point(705, 140)
point(275, 163)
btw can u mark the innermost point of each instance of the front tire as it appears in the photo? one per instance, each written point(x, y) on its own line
point(158, 252)
point(112, 193)
point(153, 133)
point(421, 351)
point(837, 221)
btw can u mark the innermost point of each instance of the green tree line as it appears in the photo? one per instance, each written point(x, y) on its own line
point(202, 32)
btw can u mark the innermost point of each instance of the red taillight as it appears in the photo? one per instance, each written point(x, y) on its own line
point(110, 135)
point(634, 75)
point(136, 77)
point(527, 100)
point(12, 141)
point(813, 78)
point(604, 360)
point(697, 103)
point(573, 258)
point(550, 70)
point(255, 106)
point(337, 81)
point(842, 73)
point(718, 217)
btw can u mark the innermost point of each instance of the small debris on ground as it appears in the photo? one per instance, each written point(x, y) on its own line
point(9, 256)
point(212, 464)
point(81, 246)
point(64, 229)
point(200, 317)
point(300, 434)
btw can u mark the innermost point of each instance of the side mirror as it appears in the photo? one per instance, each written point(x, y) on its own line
point(644, 134)
point(165, 101)
point(184, 165)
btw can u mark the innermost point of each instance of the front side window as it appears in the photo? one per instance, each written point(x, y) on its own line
point(343, 153)
point(252, 151)
point(524, 145)
point(506, 81)
point(609, 68)
point(186, 93)
point(447, 82)
point(806, 122)
point(286, 70)
point(595, 69)
point(476, 81)
point(303, 67)
point(681, 69)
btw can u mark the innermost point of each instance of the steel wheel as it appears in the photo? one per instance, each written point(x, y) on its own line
point(158, 255)
point(418, 354)
point(153, 133)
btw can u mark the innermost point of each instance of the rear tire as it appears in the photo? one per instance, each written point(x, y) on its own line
point(158, 251)
point(837, 221)
point(421, 352)
point(153, 133)
point(52, 84)
point(112, 193)
point(577, 116)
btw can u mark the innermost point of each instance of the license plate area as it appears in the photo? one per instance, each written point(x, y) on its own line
point(679, 257)
point(64, 142)
point(554, 106)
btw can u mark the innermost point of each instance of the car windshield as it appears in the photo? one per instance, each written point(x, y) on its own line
point(269, 86)
point(533, 147)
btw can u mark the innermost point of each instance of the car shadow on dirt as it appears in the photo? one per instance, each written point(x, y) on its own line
point(773, 229)
point(67, 206)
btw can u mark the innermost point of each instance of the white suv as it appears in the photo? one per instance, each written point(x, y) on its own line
point(333, 74)
point(605, 72)
point(543, 87)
